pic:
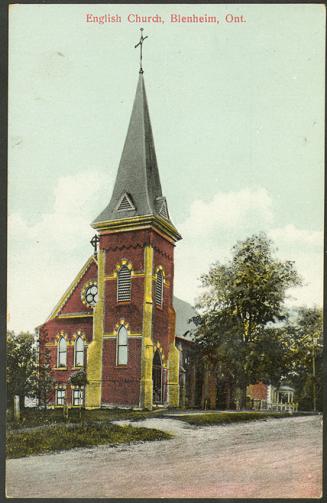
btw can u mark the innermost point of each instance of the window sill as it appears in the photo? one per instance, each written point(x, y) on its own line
point(122, 366)
point(60, 368)
point(123, 303)
point(79, 367)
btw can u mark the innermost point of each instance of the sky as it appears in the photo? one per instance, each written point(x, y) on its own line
point(237, 112)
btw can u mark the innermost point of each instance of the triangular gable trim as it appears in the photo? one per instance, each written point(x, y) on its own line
point(71, 288)
point(125, 203)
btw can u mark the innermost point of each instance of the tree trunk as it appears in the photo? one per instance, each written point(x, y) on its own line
point(243, 396)
point(22, 402)
point(228, 396)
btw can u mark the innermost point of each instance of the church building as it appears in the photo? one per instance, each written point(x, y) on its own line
point(117, 319)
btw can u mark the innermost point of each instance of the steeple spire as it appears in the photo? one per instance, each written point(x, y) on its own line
point(137, 190)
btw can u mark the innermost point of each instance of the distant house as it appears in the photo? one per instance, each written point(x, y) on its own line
point(266, 396)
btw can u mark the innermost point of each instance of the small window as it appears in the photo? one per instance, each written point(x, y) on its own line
point(159, 289)
point(124, 284)
point(61, 396)
point(122, 346)
point(78, 396)
point(79, 352)
point(62, 353)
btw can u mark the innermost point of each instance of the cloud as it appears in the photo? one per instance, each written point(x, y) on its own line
point(43, 258)
point(290, 235)
point(228, 211)
point(213, 227)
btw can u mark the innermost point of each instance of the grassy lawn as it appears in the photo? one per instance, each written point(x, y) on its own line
point(62, 437)
point(34, 417)
point(212, 418)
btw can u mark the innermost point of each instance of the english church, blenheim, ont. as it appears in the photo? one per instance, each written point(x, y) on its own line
point(119, 319)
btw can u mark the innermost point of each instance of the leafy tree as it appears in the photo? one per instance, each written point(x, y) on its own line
point(21, 366)
point(241, 299)
point(307, 357)
point(79, 378)
point(28, 373)
point(43, 380)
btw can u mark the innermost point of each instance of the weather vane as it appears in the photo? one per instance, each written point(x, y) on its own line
point(141, 44)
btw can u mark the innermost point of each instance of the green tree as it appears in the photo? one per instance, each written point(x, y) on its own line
point(241, 299)
point(79, 379)
point(307, 357)
point(21, 366)
point(43, 382)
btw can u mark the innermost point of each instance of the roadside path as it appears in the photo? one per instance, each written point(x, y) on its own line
point(275, 458)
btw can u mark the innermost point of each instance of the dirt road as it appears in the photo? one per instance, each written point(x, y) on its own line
point(278, 458)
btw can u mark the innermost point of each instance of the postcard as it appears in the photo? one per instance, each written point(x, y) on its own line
point(165, 250)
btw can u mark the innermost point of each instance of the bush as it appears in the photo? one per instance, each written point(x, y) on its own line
point(57, 438)
point(228, 417)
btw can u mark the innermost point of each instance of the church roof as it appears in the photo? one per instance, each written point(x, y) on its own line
point(185, 314)
point(137, 190)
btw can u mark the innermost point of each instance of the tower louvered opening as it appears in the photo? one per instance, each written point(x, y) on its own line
point(124, 284)
point(125, 204)
point(164, 211)
point(159, 289)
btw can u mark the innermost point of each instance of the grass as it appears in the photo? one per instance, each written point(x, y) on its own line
point(228, 417)
point(34, 417)
point(63, 437)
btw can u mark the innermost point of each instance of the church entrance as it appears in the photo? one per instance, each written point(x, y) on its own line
point(157, 378)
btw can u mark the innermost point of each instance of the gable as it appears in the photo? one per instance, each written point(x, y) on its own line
point(125, 203)
point(71, 302)
point(164, 210)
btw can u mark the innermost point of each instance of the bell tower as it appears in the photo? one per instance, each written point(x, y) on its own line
point(132, 359)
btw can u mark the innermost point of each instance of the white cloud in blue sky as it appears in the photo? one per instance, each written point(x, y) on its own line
point(44, 257)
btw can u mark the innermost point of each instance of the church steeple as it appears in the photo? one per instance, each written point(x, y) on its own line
point(137, 190)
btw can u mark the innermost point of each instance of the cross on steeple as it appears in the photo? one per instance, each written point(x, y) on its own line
point(94, 242)
point(141, 45)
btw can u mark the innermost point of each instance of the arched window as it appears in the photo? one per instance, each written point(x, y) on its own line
point(159, 289)
point(122, 349)
point(124, 284)
point(62, 353)
point(79, 352)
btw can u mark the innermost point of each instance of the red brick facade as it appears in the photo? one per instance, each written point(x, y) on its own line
point(120, 383)
point(258, 391)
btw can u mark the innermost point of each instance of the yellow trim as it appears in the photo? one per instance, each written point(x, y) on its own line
point(61, 334)
point(173, 376)
point(77, 334)
point(143, 222)
point(114, 334)
point(70, 289)
point(59, 368)
point(126, 262)
point(146, 388)
point(94, 358)
point(72, 316)
point(111, 277)
point(161, 351)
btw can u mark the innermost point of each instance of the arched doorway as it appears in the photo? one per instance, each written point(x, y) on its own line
point(157, 378)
